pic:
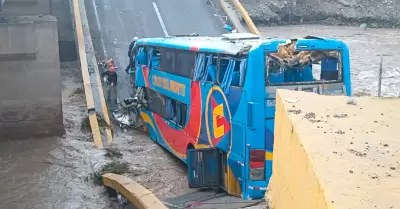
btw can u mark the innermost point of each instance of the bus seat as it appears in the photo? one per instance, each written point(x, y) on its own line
point(276, 77)
point(329, 69)
point(306, 74)
point(212, 72)
point(236, 79)
point(169, 109)
point(221, 74)
point(290, 75)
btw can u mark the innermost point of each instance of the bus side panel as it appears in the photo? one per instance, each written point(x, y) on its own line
point(203, 138)
point(269, 145)
point(255, 122)
point(225, 108)
point(346, 69)
point(149, 123)
point(141, 71)
point(171, 86)
point(177, 138)
point(236, 159)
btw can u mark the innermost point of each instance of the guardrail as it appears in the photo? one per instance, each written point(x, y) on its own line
point(252, 27)
point(136, 194)
point(88, 86)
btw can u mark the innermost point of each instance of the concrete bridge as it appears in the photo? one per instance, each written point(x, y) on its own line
point(35, 36)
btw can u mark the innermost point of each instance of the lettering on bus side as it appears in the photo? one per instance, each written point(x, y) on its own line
point(169, 85)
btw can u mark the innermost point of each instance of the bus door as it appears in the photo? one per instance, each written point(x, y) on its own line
point(205, 168)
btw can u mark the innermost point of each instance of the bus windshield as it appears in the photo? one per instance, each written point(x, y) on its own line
point(291, 66)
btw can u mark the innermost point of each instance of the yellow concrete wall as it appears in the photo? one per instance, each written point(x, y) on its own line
point(139, 196)
point(332, 162)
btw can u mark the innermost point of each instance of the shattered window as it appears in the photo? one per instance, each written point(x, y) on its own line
point(291, 65)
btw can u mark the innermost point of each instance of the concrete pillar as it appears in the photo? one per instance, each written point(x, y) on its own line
point(31, 104)
point(66, 38)
point(1, 5)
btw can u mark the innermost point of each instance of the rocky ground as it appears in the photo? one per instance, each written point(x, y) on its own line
point(370, 13)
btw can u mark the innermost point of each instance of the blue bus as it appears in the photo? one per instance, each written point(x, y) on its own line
point(210, 101)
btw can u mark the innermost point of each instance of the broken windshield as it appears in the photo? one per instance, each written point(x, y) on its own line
point(292, 66)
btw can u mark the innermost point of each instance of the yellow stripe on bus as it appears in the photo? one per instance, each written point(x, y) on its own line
point(269, 155)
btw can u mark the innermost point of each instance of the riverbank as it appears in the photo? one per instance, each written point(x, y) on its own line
point(367, 13)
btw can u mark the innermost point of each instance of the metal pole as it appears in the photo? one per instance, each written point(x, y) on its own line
point(380, 77)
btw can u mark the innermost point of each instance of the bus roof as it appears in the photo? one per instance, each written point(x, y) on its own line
point(232, 44)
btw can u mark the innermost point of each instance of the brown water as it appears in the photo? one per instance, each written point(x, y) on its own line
point(52, 173)
point(49, 173)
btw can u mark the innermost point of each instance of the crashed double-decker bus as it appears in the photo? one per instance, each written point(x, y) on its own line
point(210, 101)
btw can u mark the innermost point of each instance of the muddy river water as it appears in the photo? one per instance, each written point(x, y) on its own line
point(52, 173)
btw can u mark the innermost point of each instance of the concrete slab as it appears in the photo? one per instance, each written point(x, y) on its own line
point(31, 104)
point(61, 9)
point(332, 152)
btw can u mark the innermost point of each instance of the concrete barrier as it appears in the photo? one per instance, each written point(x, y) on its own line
point(136, 194)
point(85, 76)
point(252, 27)
point(332, 153)
point(94, 72)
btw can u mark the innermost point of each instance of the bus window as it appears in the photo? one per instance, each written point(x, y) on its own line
point(205, 68)
point(303, 67)
point(156, 103)
point(181, 111)
point(154, 58)
point(166, 107)
point(185, 63)
point(168, 61)
point(212, 67)
point(232, 71)
point(177, 62)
